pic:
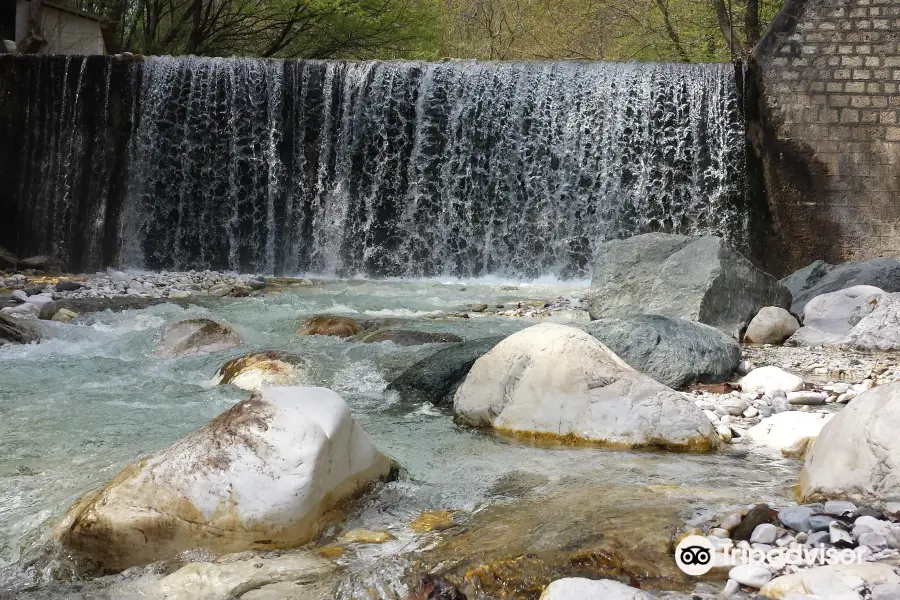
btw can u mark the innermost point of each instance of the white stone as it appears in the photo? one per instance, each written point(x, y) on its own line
point(724, 433)
point(64, 315)
point(734, 407)
point(826, 582)
point(751, 412)
point(732, 587)
point(178, 294)
point(259, 476)
point(769, 380)
point(19, 295)
point(771, 325)
point(558, 381)
point(39, 299)
point(790, 432)
point(22, 311)
point(731, 521)
point(764, 533)
point(856, 455)
point(829, 317)
point(755, 576)
point(578, 588)
point(879, 330)
point(806, 398)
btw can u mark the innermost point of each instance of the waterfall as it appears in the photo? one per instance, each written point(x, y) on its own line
point(408, 169)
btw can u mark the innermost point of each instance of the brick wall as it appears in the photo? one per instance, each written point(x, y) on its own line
point(828, 134)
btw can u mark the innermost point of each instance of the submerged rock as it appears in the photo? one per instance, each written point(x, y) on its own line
point(557, 383)
point(437, 377)
point(857, 454)
point(579, 588)
point(675, 352)
point(262, 369)
point(771, 325)
point(330, 325)
point(262, 475)
point(196, 336)
point(14, 331)
point(695, 278)
point(406, 337)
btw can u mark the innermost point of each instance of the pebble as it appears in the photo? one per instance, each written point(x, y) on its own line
point(731, 521)
point(765, 533)
point(818, 538)
point(796, 517)
point(724, 432)
point(806, 398)
point(820, 522)
point(731, 588)
point(840, 508)
point(719, 532)
point(19, 295)
point(875, 541)
point(754, 576)
point(839, 535)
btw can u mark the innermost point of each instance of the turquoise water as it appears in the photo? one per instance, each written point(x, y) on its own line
point(91, 399)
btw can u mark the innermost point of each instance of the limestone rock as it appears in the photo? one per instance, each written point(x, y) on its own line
point(556, 382)
point(437, 377)
point(822, 278)
point(829, 317)
point(8, 260)
point(14, 331)
point(579, 588)
point(828, 579)
point(771, 325)
point(675, 352)
point(770, 380)
point(856, 455)
point(330, 325)
point(879, 330)
point(699, 279)
point(196, 336)
point(64, 315)
point(791, 432)
point(262, 475)
point(262, 369)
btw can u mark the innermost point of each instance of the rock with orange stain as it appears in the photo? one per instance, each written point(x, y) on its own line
point(256, 371)
point(330, 325)
point(437, 520)
point(263, 475)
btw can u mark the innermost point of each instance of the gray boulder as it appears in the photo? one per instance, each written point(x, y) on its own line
point(821, 278)
point(8, 260)
point(827, 318)
point(436, 378)
point(696, 278)
point(14, 331)
point(672, 351)
point(879, 330)
point(41, 263)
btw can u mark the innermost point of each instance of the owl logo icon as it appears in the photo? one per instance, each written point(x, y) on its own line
point(694, 554)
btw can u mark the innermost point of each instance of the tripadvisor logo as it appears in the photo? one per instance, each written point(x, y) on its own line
point(694, 555)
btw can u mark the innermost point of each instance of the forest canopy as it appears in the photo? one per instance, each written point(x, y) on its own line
point(670, 30)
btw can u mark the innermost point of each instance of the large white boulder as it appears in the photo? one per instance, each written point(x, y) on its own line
point(770, 380)
point(828, 581)
point(557, 382)
point(879, 330)
point(790, 432)
point(579, 588)
point(771, 325)
point(196, 336)
point(261, 475)
point(857, 455)
point(829, 317)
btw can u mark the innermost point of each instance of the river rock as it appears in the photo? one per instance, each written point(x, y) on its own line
point(887, 591)
point(675, 352)
point(14, 331)
point(759, 514)
point(829, 317)
point(771, 325)
point(48, 310)
point(557, 382)
point(196, 336)
point(256, 283)
point(41, 263)
point(822, 278)
point(792, 432)
point(806, 398)
point(796, 517)
point(829, 580)
point(754, 576)
point(856, 455)
point(770, 380)
point(64, 315)
point(437, 377)
point(330, 325)
point(262, 475)
point(8, 260)
point(406, 337)
point(261, 369)
point(879, 330)
point(297, 575)
point(67, 285)
point(39, 299)
point(695, 278)
point(579, 588)
point(19, 295)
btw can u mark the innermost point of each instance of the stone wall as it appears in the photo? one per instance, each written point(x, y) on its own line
point(826, 130)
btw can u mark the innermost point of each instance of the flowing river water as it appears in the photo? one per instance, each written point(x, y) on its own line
point(91, 399)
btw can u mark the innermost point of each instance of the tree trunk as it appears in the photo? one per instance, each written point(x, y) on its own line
point(34, 41)
point(723, 16)
point(751, 23)
point(670, 30)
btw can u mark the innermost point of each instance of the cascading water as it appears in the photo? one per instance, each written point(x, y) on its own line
point(421, 169)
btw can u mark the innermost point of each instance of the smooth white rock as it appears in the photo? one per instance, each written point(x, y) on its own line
point(769, 380)
point(259, 476)
point(731, 521)
point(39, 299)
point(806, 398)
point(764, 533)
point(578, 588)
point(789, 432)
point(818, 580)
point(732, 587)
point(771, 325)
point(855, 456)
point(755, 576)
point(559, 381)
point(19, 295)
